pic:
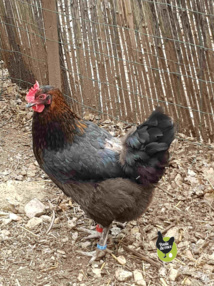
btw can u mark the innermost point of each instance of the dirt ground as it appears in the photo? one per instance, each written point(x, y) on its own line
point(183, 207)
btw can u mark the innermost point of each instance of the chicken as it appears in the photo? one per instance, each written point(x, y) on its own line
point(111, 179)
point(164, 246)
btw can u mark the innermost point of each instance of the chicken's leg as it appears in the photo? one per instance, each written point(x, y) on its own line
point(101, 246)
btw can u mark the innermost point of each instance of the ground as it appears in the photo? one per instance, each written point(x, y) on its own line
point(183, 207)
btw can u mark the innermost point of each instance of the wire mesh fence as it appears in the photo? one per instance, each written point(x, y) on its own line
point(118, 59)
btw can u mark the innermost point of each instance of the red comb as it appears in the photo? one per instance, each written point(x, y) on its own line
point(31, 93)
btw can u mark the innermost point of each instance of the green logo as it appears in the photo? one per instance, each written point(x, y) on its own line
point(166, 248)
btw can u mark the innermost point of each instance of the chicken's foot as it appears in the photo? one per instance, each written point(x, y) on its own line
point(101, 246)
point(92, 233)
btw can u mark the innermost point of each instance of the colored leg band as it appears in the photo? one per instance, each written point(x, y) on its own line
point(98, 228)
point(101, 247)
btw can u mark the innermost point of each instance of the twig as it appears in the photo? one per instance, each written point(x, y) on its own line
point(17, 281)
point(210, 183)
point(165, 191)
point(164, 231)
point(52, 222)
point(163, 282)
point(180, 261)
point(143, 257)
point(116, 258)
point(50, 268)
point(28, 231)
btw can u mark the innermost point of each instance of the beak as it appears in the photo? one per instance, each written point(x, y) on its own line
point(30, 104)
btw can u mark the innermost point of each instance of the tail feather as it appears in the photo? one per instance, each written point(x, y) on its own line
point(145, 149)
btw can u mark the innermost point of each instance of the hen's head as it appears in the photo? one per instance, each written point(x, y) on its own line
point(41, 97)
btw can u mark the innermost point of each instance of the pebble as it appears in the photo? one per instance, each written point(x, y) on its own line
point(189, 255)
point(16, 194)
point(18, 177)
point(135, 230)
point(74, 237)
point(34, 208)
point(46, 218)
point(211, 257)
point(14, 217)
point(115, 230)
point(61, 251)
point(31, 173)
point(23, 172)
point(121, 259)
point(4, 234)
point(173, 274)
point(65, 239)
point(80, 277)
point(187, 282)
point(138, 278)
point(173, 232)
point(97, 272)
point(122, 275)
point(162, 271)
point(33, 222)
point(85, 244)
point(72, 223)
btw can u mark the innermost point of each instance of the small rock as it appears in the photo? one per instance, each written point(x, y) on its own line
point(46, 218)
point(138, 278)
point(173, 274)
point(174, 231)
point(211, 256)
point(57, 220)
point(31, 173)
point(65, 239)
point(72, 223)
point(120, 250)
point(16, 194)
point(61, 251)
point(115, 230)
point(80, 277)
point(34, 208)
point(187, 282)
point(97, 272)
point(135, 230)
point(178, 179)
point(74, 237)
point(4, 234)
point(189, 255)
point(85, 244)
point(121, 259)
point(19, 177)
point(15, 217)
point(122, 275)
point(33, 222)
point(162, 271)
point(23, 172)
